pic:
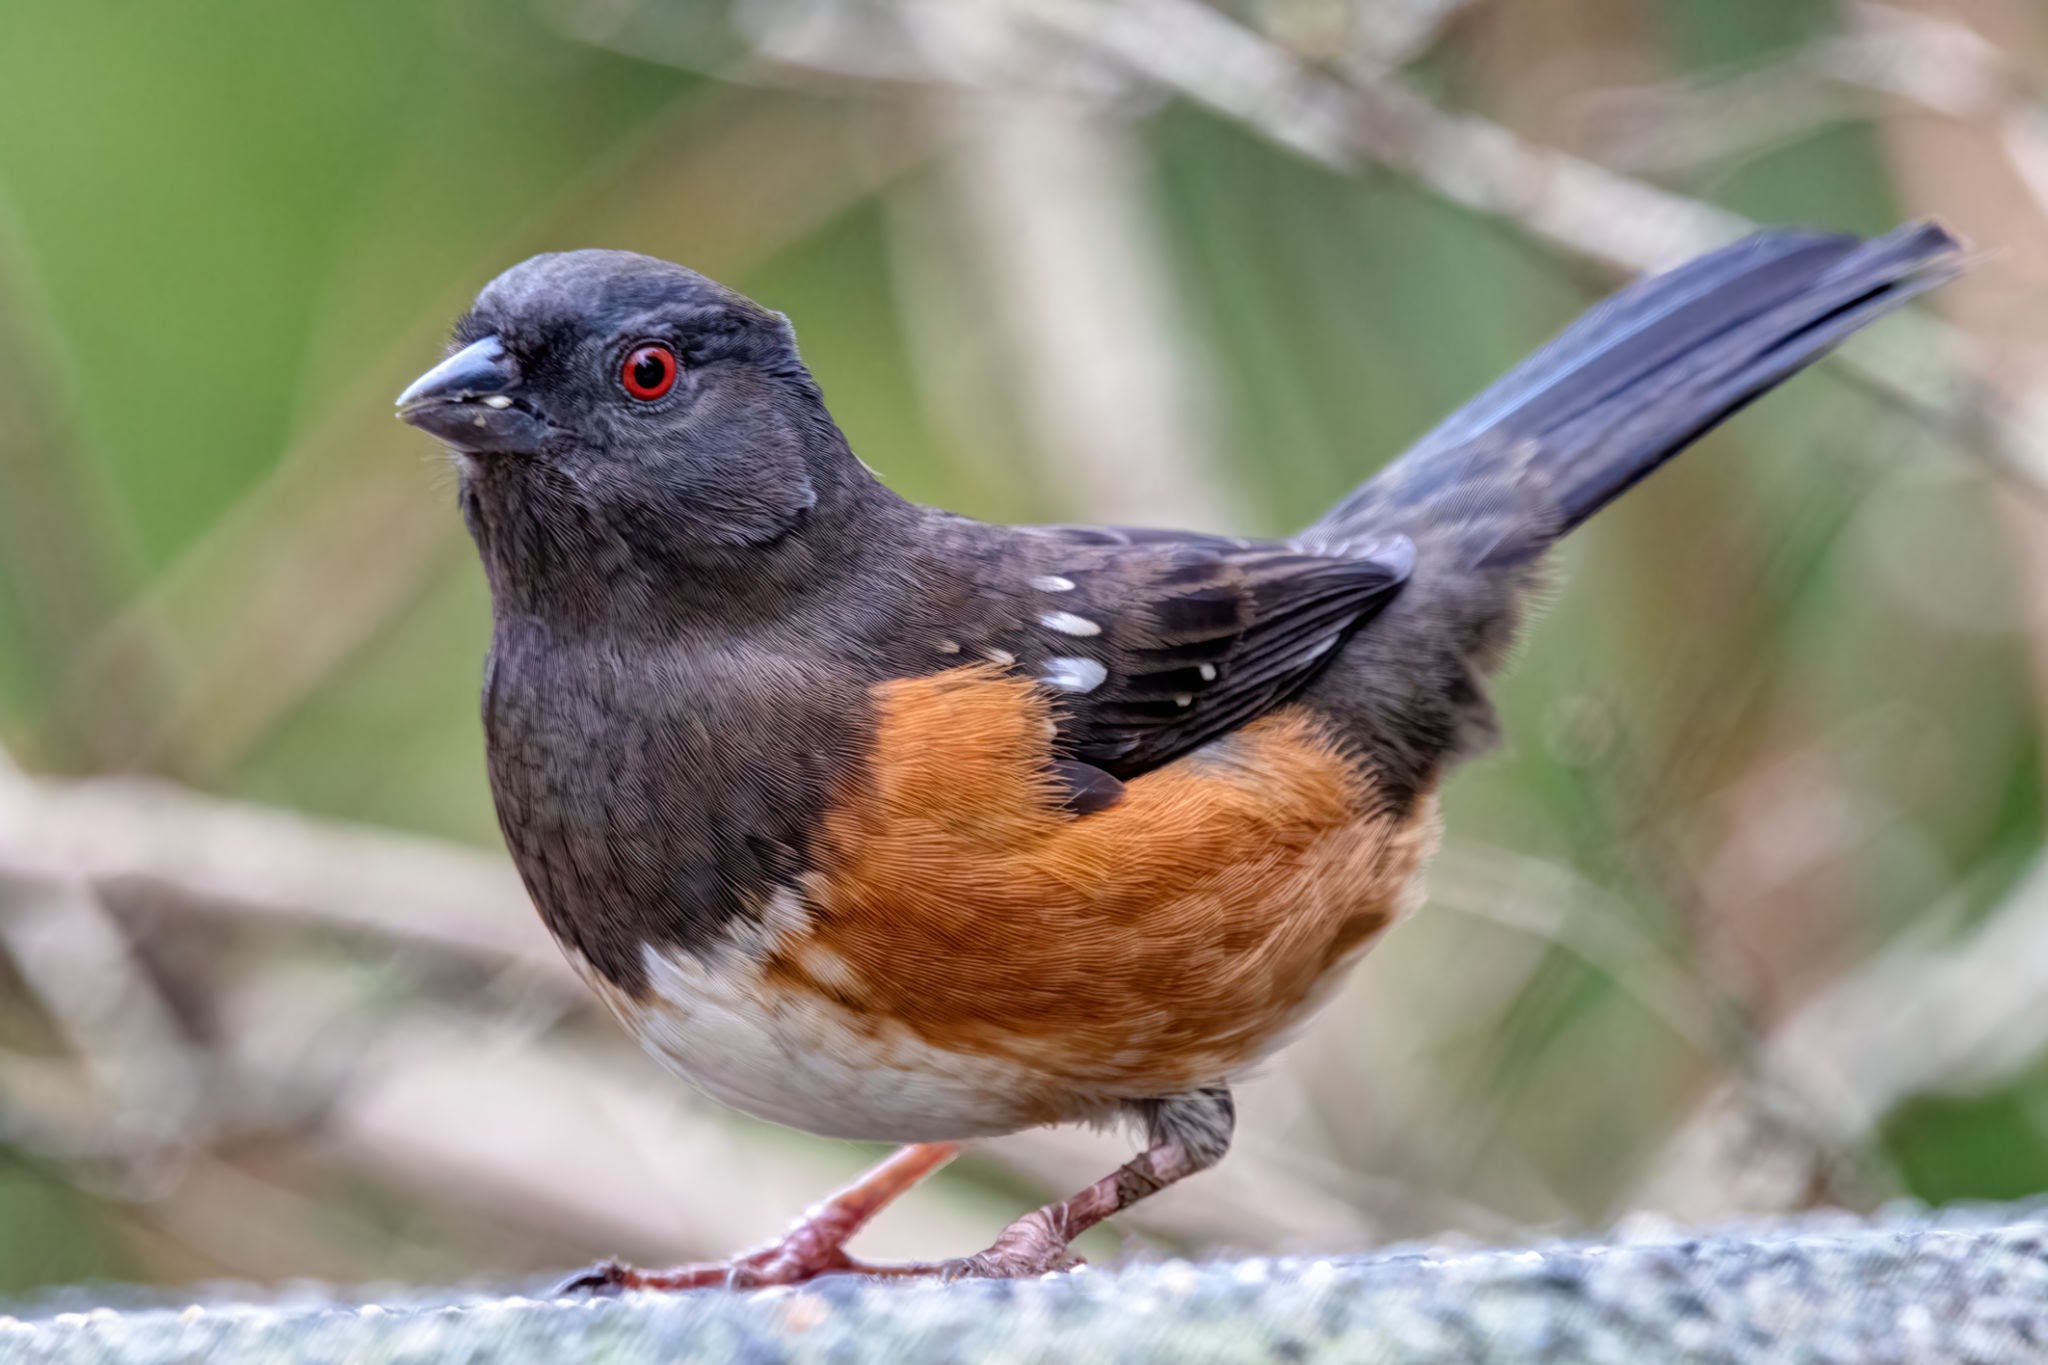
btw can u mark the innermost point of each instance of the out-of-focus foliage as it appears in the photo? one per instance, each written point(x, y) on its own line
point(1782, 723)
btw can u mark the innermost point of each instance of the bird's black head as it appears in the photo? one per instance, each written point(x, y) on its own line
point(619, 415)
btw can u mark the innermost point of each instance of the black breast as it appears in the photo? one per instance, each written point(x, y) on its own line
point(656, 793)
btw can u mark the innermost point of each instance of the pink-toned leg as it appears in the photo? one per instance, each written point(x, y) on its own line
point(1037, 1242)
point(1188, 1133)
point(816, 1245)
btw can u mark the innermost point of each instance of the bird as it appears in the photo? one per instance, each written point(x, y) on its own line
point(889, 824)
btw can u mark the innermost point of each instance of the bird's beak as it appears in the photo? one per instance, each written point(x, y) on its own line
point(472, 400)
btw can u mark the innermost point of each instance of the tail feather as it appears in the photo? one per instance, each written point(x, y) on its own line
point(1614, 396)
point(1641, 376)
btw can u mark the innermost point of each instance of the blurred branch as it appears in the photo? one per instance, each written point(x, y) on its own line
point(1548, 901)
point(1349, 120)
point(1048, 194)
point(1366, 117)
point(246, 1225)
point(76, 958)
point(1352, 119)
point(1933, 63)
point(1051, 193)
point(1397, 32)
point(1924, 1016)
point(153, 843)
point(1972, 169)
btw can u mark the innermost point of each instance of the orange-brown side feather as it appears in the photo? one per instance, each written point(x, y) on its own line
point(1155, 946)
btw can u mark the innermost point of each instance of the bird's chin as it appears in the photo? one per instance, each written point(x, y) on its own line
point(479, 426)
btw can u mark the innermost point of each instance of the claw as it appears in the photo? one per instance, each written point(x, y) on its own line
point(606, 1279)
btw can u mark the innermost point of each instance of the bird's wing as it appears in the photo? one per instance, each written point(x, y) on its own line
point(1157, 642)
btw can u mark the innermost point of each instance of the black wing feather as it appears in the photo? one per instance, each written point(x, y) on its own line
point(1195, 635)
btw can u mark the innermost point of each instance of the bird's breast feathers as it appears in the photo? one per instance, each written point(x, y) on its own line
point(964, 956)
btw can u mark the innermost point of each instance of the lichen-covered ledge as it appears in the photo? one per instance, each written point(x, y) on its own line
point(1961, 1285)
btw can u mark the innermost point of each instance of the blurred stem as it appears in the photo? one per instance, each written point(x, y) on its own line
point(60, 549)
point(1052, 190)
point(1532, 59)
point(1970, 170)
point(1919, 1015)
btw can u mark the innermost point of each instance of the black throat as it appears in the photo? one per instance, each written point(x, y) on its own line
point(667, 717)
point(586, 547)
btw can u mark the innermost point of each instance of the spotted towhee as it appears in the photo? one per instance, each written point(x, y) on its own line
point(889, 824)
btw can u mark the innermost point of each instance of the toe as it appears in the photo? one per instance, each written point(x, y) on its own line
point(790, 1262)
point(1010, 1263)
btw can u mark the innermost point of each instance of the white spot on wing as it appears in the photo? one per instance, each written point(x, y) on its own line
point(1052, 582)
point(1208, 673)
point(497, 400)
point(949, 646)
point(1075, 675)
point(1000, 656)
point(1066, 623)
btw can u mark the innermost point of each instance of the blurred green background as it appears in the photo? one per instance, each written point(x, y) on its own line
point(1745, 918)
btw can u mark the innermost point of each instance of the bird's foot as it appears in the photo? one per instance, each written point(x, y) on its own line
point(806, 1253)
point(815, 1246)
point(1030, 1246)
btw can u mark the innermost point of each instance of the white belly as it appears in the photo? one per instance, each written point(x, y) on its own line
point(804, 1061)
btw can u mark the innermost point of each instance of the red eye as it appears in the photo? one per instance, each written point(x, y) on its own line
point(649, 372)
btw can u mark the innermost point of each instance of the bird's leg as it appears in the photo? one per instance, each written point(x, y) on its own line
point(1187, 1133)
point(815, 1245)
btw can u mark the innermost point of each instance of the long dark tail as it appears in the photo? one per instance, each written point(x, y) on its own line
point(1617, 394)
point(1640, 377)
